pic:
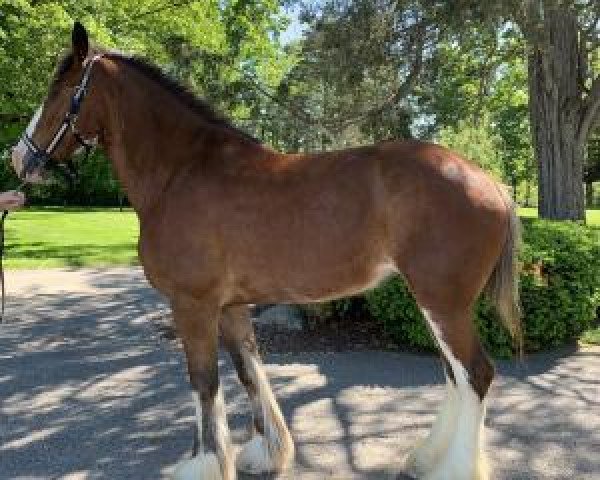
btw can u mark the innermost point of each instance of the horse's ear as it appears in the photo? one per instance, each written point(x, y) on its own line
point(80, 41)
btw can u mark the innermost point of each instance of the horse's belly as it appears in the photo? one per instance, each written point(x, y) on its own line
point(352, 284)
point(308, 285)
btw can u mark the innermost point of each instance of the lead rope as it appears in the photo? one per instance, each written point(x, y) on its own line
point(4, 214)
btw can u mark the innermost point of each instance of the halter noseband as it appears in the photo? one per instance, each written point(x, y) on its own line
point(40, 157)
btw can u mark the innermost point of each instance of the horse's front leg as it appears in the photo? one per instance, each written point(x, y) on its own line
point(271, 447)
point(197, 325)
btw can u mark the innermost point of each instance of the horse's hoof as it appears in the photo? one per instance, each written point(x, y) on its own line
point(453, 466)
point(201, 467)
point(414, 466)
point(255, 457)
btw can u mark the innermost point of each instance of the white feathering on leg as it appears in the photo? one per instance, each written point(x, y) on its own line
point(430, 449)
point(198, 406)
point(255, 457)
point(274, 450)
point(210, 466)
point(464, 457)
point(222, 438)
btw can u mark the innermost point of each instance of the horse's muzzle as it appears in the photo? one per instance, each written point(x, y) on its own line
point(21, 158)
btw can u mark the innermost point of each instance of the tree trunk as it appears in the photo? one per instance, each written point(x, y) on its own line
point(589, 194)
point(554, 96)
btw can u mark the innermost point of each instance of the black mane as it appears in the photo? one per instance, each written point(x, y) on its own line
point(184, 94)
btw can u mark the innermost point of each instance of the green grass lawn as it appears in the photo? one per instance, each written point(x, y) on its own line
point(592, 216)
point(72, 237)
point(591, 336)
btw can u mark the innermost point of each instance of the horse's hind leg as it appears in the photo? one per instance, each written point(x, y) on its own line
point(271, 447)
point(453, 448)
point(428, 451)
point(197, 325)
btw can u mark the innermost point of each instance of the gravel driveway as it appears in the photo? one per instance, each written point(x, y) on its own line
point(90, 390)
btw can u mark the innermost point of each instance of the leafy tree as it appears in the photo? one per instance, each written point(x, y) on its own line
point(207, 45)
point(564, 93)
point(476, 142)
point(479, 82)
point(393, 44)
point(361, 60)
point(562, 39)
point(509, 115)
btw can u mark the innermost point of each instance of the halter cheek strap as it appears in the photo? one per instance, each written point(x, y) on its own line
point(40, 157)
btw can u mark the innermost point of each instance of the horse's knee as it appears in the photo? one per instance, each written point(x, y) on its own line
point(205, 383)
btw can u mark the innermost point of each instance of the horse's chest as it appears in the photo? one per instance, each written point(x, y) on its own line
point(177, 261)
point(152, 262)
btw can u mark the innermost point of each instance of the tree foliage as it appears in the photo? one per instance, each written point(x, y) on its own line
point(209, 45)
point(476, 142)
point(363, 71)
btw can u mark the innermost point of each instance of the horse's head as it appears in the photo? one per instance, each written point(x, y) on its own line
point(67, 119)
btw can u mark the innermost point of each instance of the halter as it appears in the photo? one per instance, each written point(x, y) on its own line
point(39, 157)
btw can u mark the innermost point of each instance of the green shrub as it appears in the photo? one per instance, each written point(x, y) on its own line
point(560, 281)
point(348, 309)
point(559, 284)
point(393, 304)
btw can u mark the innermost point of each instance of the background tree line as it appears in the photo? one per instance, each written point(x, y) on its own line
point(513, 85)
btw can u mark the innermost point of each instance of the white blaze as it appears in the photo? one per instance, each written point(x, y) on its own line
point(20, 150)
point(33, 123)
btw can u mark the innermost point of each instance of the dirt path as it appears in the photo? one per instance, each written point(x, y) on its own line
point(89, 390)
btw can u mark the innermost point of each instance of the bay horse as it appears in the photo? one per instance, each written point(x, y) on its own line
point(226, 221)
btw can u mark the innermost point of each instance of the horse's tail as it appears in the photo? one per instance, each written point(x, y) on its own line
point(502, 288)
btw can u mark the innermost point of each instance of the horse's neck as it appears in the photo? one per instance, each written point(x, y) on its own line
point(148, 143)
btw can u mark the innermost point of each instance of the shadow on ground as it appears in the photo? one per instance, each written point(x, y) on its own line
point(90, 390)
